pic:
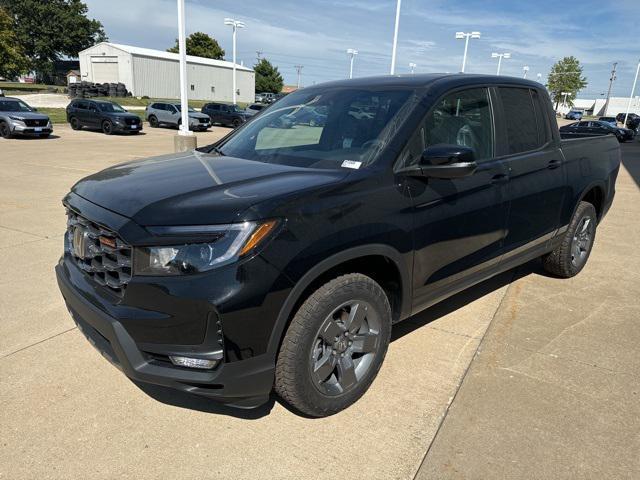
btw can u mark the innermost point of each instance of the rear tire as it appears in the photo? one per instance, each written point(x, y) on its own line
point(75, 123)
point(5, 131)
point(570, 257)
point(236, 123)
point(153, 121)
point(335, 345)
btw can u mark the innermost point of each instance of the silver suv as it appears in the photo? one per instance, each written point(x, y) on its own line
point(160, 113)
point(18, 118)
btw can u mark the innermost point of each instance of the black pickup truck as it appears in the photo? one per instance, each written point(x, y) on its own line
point(278, 259)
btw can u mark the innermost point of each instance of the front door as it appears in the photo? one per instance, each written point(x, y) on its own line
point(537, 186)
point(460, 223)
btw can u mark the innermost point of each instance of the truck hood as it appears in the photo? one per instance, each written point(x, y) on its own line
point(196, 188)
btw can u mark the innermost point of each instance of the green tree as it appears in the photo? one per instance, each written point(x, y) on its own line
point(566, 76)
point(13, 61)
point(201, 45)
point(268, 78)
point(52, 29)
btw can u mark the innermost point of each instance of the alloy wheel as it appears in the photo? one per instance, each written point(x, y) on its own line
point(345, 347)
point(582, 240)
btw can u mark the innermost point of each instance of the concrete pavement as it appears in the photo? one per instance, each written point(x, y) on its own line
point(67, 413)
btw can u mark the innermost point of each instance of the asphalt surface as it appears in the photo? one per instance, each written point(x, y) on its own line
point(552, 390)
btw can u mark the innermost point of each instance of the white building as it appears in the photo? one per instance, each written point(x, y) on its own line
point(616, 105)
point(154, 73)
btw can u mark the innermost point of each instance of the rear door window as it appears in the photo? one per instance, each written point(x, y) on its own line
point(520, 120)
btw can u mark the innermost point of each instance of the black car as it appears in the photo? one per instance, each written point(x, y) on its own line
point(225, 114)
point(280, 259)
point(633, 121)
point(620, 117)
point(109, 117)
point(597, 127)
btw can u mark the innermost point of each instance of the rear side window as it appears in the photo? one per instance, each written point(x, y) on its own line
point(542, 120)
point(520, 120)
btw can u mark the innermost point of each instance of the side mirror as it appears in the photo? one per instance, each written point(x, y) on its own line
point(34, 109)
point(446, 161)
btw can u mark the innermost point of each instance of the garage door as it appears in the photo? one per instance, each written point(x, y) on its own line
point(105, 71)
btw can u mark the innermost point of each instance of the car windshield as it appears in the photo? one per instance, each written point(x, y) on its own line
point(322, 128)
point(14, 106)
point(179, 107)
point(111, 108)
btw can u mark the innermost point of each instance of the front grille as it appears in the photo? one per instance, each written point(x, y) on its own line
point(35, 123)
point(99, 252)
point(132, 121)
point(204, 120)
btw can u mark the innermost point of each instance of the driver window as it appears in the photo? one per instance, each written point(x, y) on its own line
point(461, 118)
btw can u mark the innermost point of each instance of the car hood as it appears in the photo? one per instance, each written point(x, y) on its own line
point(26, 115)
point(198, 115)
point(121, 115)
point(196, 188)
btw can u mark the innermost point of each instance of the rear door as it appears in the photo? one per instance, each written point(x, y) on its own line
point(459, 224)
point(537, 184)
point(93, 115)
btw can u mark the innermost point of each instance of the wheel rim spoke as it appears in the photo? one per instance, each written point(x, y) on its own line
point(365, 342)
point(356, 316)
point(330, 330)
point(324, 367)
point(346, 372)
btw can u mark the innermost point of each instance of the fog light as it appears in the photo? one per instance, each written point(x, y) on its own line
point(202, 363)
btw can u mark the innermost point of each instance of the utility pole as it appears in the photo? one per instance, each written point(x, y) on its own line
point(611, 80)
point(299, 70)
point(633, 89)
point(259, 55)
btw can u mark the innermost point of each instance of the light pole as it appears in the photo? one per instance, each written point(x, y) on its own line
point(539, 77)
point(395, 38)
point(564, 99)
point(236, 25)
point(299, 69)
point(182, 49)
point(525, 70)
point(466, 36)
point(500, 56)
point(352, 53)
point(633, 89)
point(412, 66)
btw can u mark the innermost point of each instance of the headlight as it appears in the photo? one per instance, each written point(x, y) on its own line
point(233, 241)
point(17, 119)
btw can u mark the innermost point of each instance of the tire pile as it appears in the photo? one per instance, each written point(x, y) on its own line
point(90, 90)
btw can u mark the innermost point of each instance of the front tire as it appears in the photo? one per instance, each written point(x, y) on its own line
point(107, 127)
point(335, 345)
point(75, 123)
point(153, 121)
point(5, 131)
point(570, 257)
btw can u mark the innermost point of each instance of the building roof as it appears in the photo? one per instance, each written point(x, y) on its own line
point(149, 52)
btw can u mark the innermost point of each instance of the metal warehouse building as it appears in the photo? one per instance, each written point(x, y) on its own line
point(155, 73)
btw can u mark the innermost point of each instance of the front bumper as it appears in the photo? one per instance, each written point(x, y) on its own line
point(20, 129)
point(124, 128)
point(244, 384)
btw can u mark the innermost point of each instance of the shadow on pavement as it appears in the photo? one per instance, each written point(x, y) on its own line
point(180, 399)
point(631, 159)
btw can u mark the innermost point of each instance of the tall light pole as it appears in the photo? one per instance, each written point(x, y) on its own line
point(352, 53)
point(299, 69)
point(500, 56)
point(564, 99)
point(466, 36)
point(611, 80)
point(395, 38)
point(412, 66)
point(236, 25)
point(525, 70)
point(182, 49)
point(633, 90)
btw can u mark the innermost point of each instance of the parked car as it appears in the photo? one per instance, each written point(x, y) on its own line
point(225, 114)
point(620, 117)
point(266, 97)
point(258, 98)
point(596, 127)
point(18, 118)
point(161, 113)
point(280, 259)
point(610, 120)
point(109, 117)
point(309, 115)
point(574, 115)
point(254, 109)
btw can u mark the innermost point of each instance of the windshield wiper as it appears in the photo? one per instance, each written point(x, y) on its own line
point(217, 150)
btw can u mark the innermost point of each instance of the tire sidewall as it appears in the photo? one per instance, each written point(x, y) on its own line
point(75, 124)
point(153, 121)
point(107, 127)
point(5, 131)
point(583, 209)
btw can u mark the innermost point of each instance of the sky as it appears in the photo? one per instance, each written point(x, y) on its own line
point(316, 34)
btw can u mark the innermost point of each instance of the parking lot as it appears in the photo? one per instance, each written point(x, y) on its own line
point(509, 379)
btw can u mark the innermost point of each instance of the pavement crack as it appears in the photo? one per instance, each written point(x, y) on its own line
point(37, 343)
point(466, 372)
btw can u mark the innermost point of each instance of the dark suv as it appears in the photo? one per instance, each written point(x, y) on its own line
point(225, 114)
point(109, 117)
point(281, 258)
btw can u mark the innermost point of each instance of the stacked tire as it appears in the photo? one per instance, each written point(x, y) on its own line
point(90, 90)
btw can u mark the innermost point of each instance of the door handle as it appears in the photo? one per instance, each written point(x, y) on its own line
point(553, 164)
point(500, 178)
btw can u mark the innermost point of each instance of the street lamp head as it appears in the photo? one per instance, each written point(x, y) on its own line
point(234, 23)
point(495, 55)
point(507, 55)
point(352, 51)
point(228, 21)
point(460, 35)
point(475, 34)
point(412, 65)
point(525, 68)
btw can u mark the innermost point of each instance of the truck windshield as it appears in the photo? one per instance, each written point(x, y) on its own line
point(322, 128)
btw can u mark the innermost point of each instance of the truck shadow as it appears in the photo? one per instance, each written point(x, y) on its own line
point(631, 159)
point(180, 399)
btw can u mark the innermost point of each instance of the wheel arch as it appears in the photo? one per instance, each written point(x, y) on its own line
point(368, 260)
point(595, 194)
